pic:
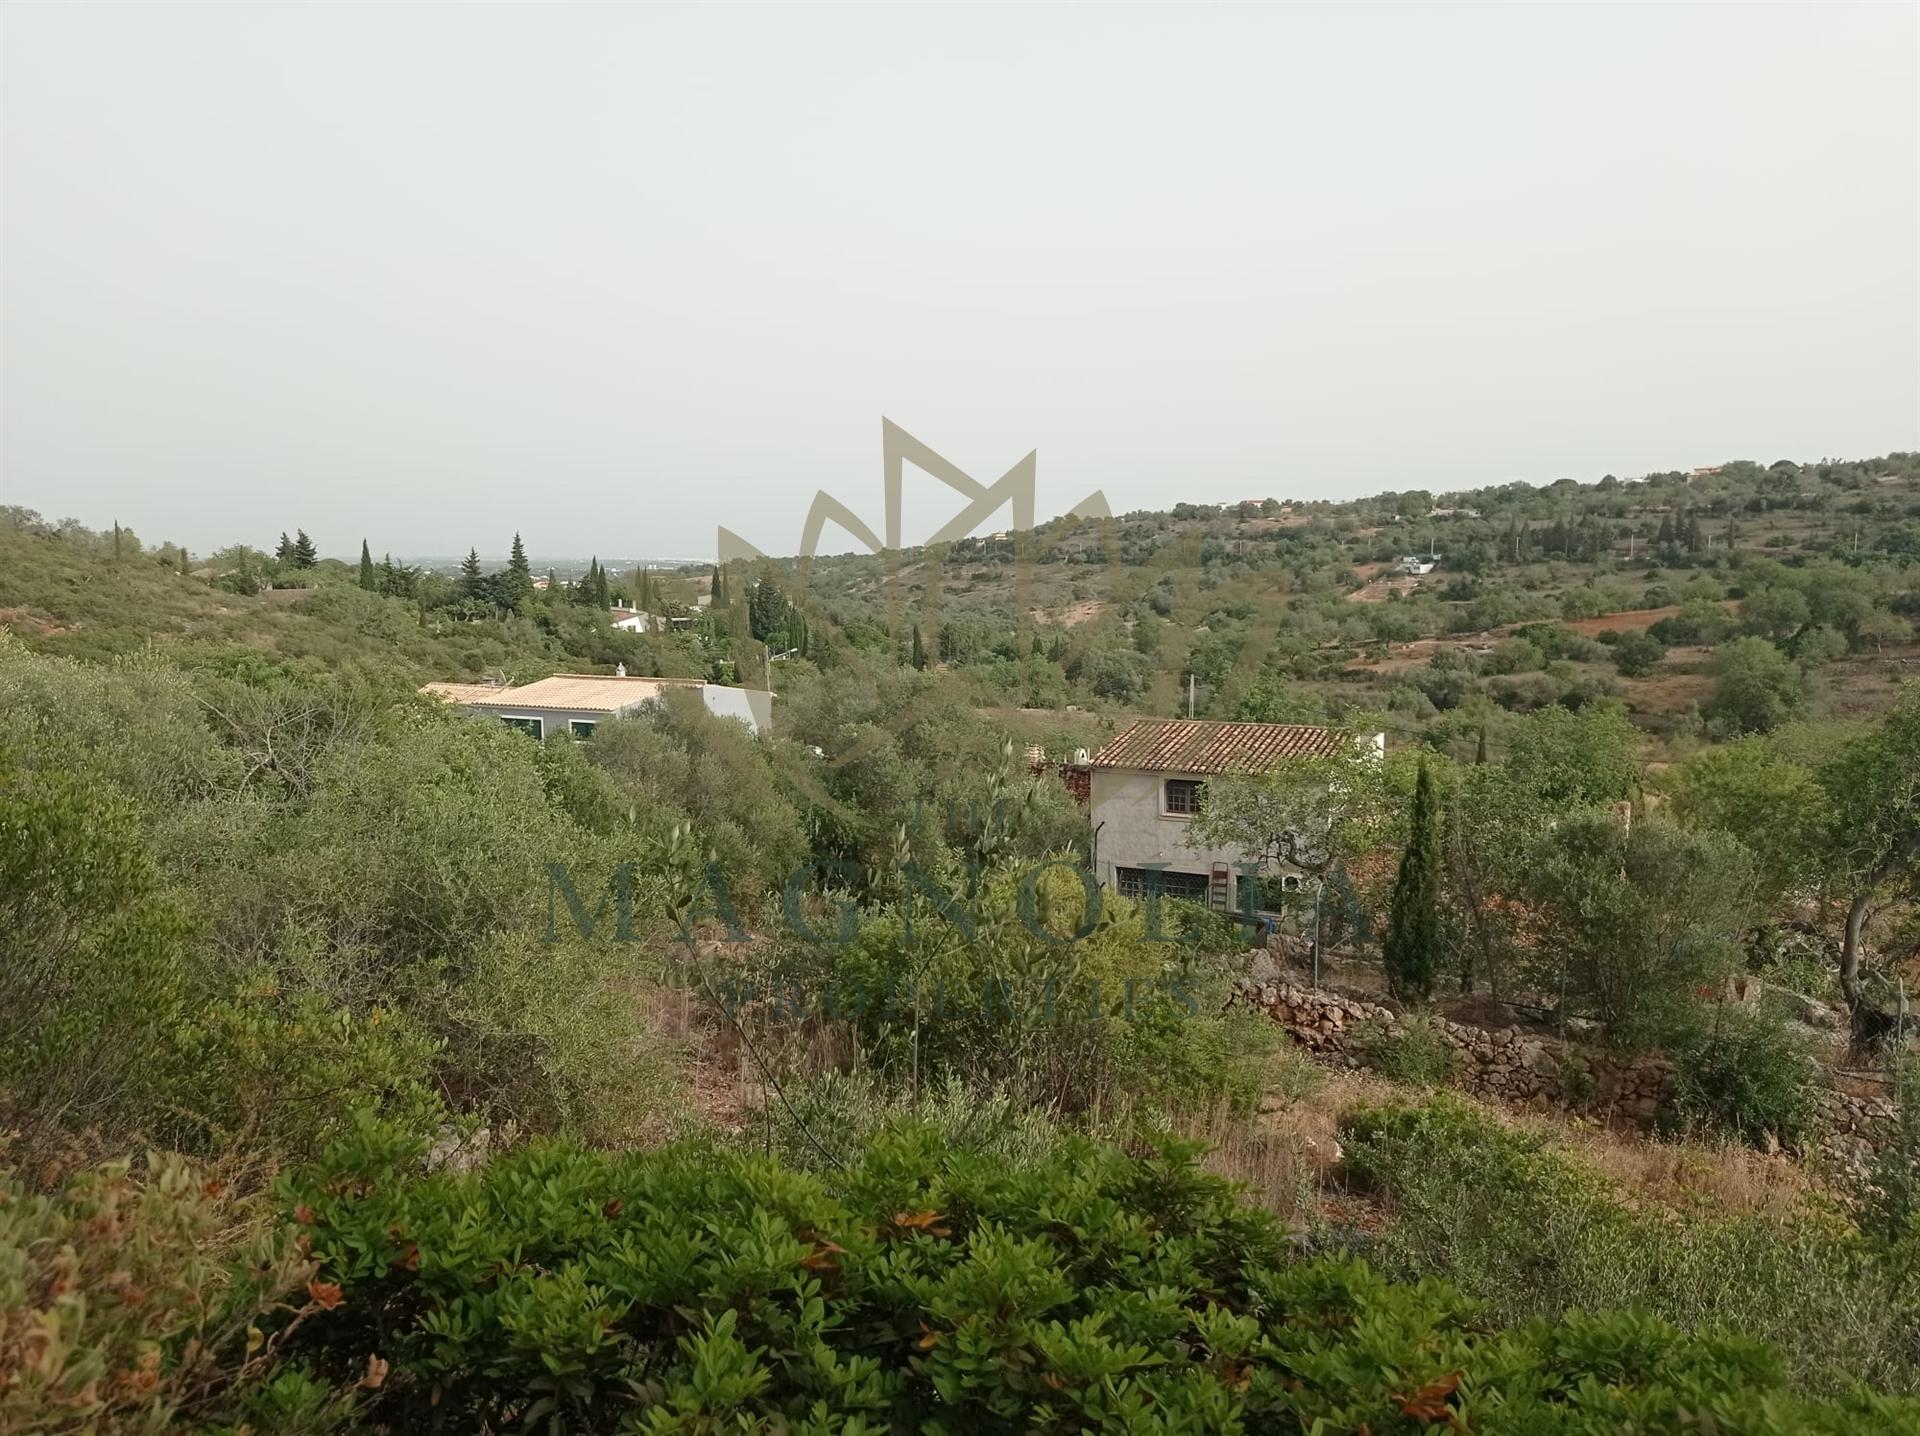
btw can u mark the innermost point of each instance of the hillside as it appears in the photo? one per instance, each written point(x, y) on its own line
point(1298, 606)
point(363, 1067)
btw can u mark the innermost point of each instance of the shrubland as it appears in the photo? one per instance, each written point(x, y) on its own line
point(325, 1104)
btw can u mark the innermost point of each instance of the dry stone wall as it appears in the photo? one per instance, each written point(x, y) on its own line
point(1506, 1064)
point(1517, 1066)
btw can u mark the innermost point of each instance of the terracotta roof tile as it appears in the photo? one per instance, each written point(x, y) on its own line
point(569, 692)
point(463, 692)
point(1182, 745)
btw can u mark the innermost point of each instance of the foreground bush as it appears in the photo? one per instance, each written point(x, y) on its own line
point(133, 1300)
point(1535, 1235)
point(685, 1290)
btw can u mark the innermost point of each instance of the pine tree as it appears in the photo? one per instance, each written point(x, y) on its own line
point(283, 551)
point(116, 538)
point(473, 583)
point(366, 567)
point(767, 608)
point(1412, 948)
point(919, 649)
point(517, 586)
point(304, 553)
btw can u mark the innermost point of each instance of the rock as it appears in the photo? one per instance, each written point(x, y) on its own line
point(456, 1152)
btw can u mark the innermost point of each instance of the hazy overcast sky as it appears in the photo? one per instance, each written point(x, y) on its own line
point(611, 275)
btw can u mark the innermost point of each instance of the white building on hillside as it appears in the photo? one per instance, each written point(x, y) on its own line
point(573, 703)
point(1148, 783)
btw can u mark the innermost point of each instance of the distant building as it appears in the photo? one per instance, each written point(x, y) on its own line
point(574, 703)
point(1148, 783)
point(1415, 564)
point(633, 620)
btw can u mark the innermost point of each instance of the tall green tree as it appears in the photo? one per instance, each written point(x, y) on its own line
point(767, 608)
point(283, 551)
point(516, 585)
point(304, 553)
point(473, 580)
point(919, 648)
point(1631, 915)
point(1873, 789)
point(1413, 945)
point(367, 579)
point(600, 596)
point(1756, 687)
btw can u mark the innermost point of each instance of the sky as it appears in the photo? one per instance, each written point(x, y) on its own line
point(612, 276)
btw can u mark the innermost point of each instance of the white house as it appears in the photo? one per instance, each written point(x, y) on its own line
point(573, 703)
point(1416, 564)
point(633, 620)
point(1148, 783)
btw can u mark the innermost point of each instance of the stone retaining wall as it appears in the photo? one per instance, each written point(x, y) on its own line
point(1513, 1065)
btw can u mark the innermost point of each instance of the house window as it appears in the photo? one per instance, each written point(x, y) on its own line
point(1184, 795)
point(1270, 891)
point(580, 727)
point(1143, 882)
point(530, 726)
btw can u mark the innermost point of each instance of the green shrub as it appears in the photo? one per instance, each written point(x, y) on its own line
point(1741, 1075)
point(1412, 1050)
point(1636, 655)
point(1536, 1235)
point(93, 959)
point(991, 989)
point(927, 1290)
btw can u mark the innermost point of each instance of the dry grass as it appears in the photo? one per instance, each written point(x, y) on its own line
point(1289, 1155)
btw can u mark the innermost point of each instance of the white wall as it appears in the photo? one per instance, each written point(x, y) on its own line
point(752, 706)
point(1133, 830)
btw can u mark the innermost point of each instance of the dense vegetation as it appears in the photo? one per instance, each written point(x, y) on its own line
point(343, 1083)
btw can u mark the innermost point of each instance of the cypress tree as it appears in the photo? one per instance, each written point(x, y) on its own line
point(1412, 948)
point(919, 649)
point(366, 567)
point(599, 576)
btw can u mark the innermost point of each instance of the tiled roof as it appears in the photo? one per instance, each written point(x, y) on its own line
point(463, 692)
point(570, 692)
point(1181, 745)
